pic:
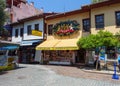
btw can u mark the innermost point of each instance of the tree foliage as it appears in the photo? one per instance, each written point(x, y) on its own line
point(97, 40)
point(117, 35)
point(2, 13)
point(96, 1)
point(3, 16)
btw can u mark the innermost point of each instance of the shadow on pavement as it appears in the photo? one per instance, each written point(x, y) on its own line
point(3, 72)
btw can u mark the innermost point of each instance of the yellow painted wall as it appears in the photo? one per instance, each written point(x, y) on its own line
point(109, 18)
point(77, 17)
point(109, 21)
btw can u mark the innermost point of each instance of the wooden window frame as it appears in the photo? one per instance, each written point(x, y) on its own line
point(36, 26)
point(99, 23)
point(29, 29)
point(84, 26)
point(50, 26)
point(118, 25)
point(16, 32)
point(21, 32)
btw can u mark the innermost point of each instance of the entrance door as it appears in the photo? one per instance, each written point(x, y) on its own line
point(80, 58)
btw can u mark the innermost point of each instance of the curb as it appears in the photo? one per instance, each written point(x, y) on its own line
point(101, 72)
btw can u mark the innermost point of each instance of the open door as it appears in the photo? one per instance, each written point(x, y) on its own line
point(80, 58)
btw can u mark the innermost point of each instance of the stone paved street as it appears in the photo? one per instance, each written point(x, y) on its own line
point(42, 75)
point(80, 72)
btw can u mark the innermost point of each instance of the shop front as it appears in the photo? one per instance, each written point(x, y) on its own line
point(60, 46)
point(27, 51)
point(58, 51)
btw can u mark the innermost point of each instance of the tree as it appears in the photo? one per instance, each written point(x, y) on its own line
point(96, 1)
point(97, 40)
point(3, 17)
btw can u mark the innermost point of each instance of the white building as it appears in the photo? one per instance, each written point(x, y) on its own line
point(22, 33)
point(24, 18)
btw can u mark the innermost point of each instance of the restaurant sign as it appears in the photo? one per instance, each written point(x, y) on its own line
point(66, 28)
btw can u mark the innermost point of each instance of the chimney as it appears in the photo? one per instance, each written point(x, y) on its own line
point(42, 10)
point(32, 3)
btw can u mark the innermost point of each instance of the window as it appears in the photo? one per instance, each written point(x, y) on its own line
point(29, 30)
point(86, 25)
point(50, 29)
point(99, 21)
point(117, 18)
point(12, 53)
point(37, 27)
point(21, 32)
point(16, 32)
point(2, 52)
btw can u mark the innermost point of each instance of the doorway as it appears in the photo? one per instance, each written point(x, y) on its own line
point(80, 57)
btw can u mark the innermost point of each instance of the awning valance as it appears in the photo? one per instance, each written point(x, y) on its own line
point(29, 42)
point(12, 47)
point(65, 44)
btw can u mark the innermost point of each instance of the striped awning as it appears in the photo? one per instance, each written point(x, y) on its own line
point(65, 44)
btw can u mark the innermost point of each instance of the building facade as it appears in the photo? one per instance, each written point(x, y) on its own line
point(24, 18)
point(61, 44)
point(22, 32)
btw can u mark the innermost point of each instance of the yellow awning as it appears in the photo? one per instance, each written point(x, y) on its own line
point(66, 44)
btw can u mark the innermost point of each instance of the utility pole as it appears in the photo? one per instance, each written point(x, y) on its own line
point(11, 3)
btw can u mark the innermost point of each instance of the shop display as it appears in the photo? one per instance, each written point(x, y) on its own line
point(58, 56)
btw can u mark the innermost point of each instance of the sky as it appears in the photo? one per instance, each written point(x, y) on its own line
point(59, 5)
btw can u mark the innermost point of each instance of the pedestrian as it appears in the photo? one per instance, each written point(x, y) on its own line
point(118, 62)
point(96, 62)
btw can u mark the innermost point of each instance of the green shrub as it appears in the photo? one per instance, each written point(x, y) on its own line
point(6, 68)
point(9, 68)
point(2, 68)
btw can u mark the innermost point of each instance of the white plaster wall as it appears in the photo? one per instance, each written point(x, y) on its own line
point(16, 39)
point(32, 23)
point(38, 56)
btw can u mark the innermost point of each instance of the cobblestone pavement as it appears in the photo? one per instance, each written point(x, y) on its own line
point(42, 75)
point(78, 72)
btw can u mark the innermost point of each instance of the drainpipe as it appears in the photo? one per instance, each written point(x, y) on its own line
point(90, 18)
point(11, 11)
point(44, 29)
point(87, 51)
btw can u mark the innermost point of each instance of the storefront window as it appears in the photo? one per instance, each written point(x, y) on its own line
point(63, 56)
point(2, 52)
point(12, 53)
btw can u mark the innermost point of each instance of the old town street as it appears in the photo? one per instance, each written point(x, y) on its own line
point(42, 75)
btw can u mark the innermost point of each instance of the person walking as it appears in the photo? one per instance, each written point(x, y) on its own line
point(118, 62)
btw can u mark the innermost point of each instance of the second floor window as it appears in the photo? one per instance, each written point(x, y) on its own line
point(118, 18)
point(21, 32)
point(86, 25)
point(50, 27)
point(37, 27)
point(99, 21)
point(29, 30)
point(16, 32)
